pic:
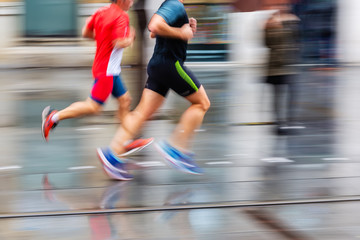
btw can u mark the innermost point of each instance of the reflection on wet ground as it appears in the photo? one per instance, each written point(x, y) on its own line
point(257, 185)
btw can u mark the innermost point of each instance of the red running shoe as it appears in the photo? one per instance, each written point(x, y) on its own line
point(136, 146)
point(47, 123)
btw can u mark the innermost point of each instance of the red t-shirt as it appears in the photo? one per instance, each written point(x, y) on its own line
point(108, 23)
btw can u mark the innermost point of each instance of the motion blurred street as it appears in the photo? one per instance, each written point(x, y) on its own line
point(261, 182)
point(47, 187)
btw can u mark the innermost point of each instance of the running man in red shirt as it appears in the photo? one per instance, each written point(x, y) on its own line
point(110, 28)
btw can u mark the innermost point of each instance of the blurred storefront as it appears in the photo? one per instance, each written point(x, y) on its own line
point(222, 36)
point(247, 6)
point(211, 40)
point(49, 18)
point(319, 29)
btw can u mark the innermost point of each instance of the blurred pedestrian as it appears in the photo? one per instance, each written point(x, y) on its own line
point(281, 37)
point(172, 29)
point(110, 28)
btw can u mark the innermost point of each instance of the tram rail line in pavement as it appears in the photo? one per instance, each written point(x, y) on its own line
point(232, 204)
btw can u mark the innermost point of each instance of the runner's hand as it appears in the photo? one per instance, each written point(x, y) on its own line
point(132, 33)
point(193, 24)
point(152, 35)
point(186, 32)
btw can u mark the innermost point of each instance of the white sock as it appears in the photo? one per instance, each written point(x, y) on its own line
point(55, 117)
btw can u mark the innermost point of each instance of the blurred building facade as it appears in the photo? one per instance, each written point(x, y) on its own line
point(223, 34)
point(319, 29)
point(60, 22)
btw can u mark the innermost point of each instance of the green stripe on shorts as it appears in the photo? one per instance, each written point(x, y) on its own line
point(184, 75)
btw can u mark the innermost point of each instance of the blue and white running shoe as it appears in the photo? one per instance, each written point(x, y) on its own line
point(112, 165)
point(179, 160)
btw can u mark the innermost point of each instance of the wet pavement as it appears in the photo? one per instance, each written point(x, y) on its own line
point(257, 185)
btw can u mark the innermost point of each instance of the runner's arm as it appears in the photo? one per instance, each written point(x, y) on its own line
point(87, 33)
point(127, 41)
point(88, 29)
point(158, 26)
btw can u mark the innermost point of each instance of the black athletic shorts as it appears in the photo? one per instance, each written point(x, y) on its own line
point(165, 74)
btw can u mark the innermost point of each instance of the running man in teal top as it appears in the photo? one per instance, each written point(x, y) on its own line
point(172, 29)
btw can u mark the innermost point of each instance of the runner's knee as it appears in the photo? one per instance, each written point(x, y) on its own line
point(94, 108)
point(141, 115)
point(125, 101)
point(205, 104)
